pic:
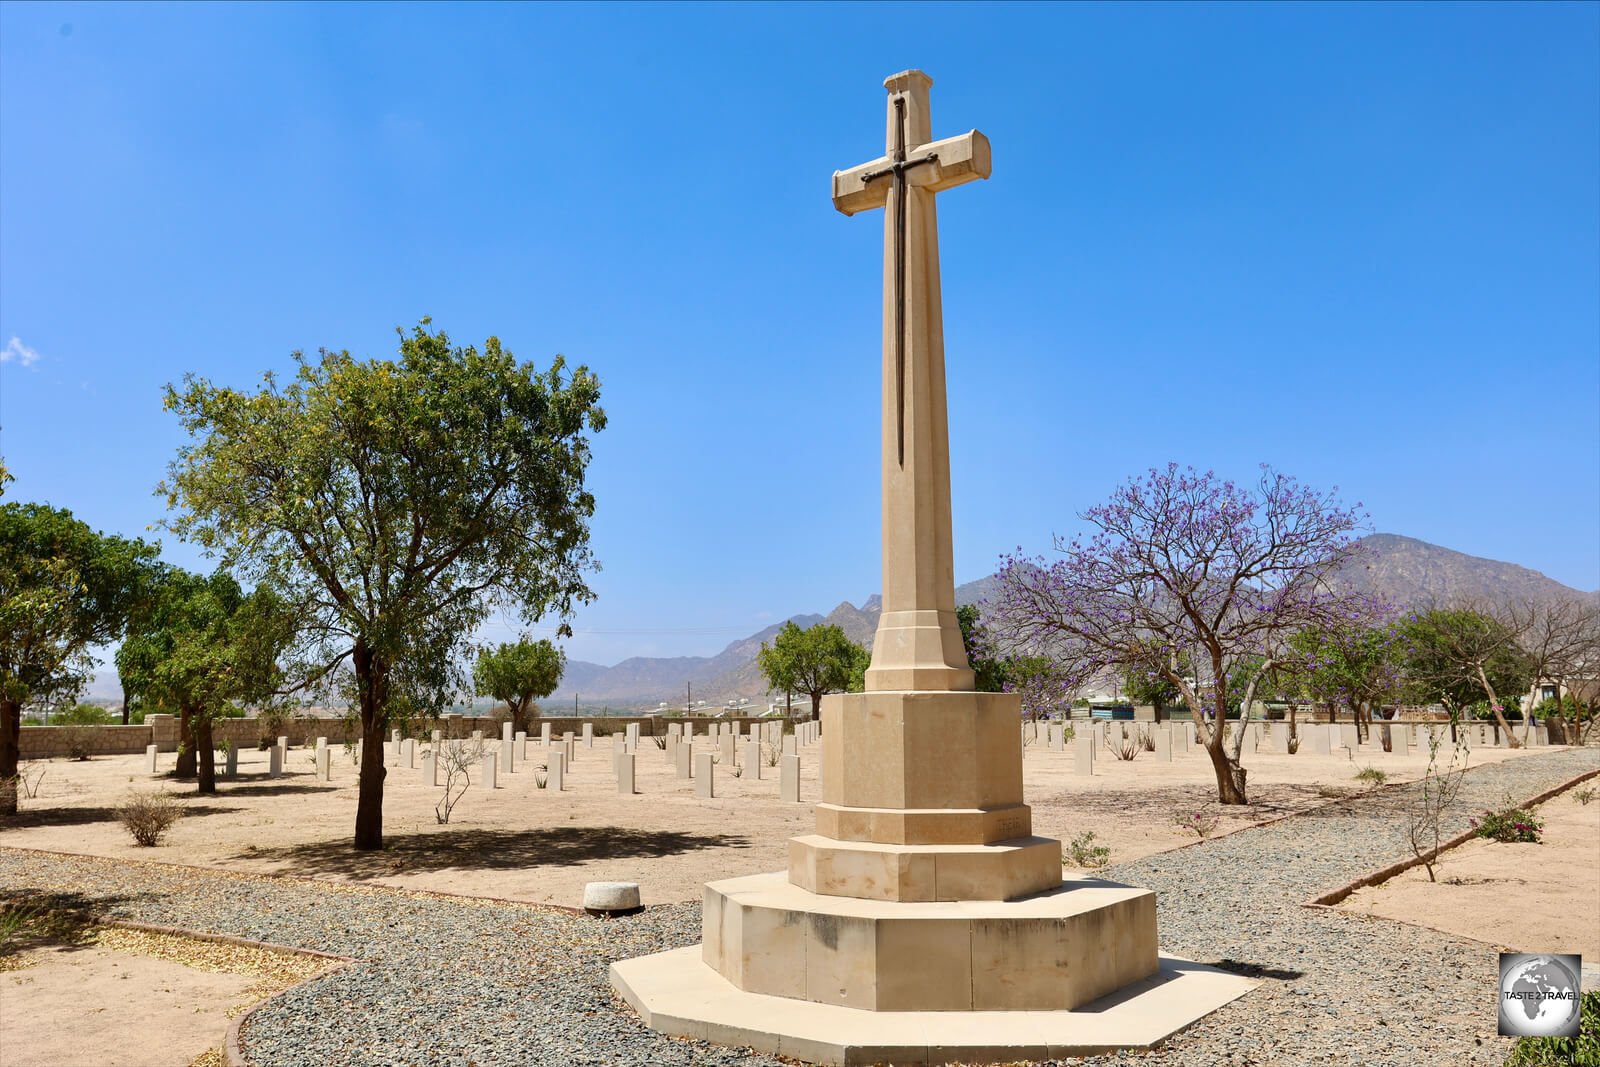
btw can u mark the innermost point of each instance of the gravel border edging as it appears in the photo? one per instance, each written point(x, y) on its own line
point(1383, 874)
point(233, 1043)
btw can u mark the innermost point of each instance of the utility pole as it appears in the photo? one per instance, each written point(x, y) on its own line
point(688, 698)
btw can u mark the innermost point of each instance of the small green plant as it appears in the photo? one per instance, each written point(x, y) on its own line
point(1509, 824)
point(1332, 792)
point(1580, 1051)
point(1126, 747)
point(1372, 774)
point(1584, 796)
point(1085, 853)
point(1199, 823)
point(148, 816)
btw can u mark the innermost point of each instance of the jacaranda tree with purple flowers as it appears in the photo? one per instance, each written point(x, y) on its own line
point(1193, 578)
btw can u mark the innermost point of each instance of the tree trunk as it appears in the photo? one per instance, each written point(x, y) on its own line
point(371, 684)
point(1230, 776)
point(186, 746)
point(816, 704)
point(207, 755)
point(516, 706)
point(1494, 706)
point(10, 751)
point(127, 699)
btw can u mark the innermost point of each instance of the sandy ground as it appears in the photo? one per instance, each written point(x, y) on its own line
point(87, 992)
point(525, 843)
point(1522, 897)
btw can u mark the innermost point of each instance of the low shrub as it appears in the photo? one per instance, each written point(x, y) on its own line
point(1199, 823)
point(1580, 1051)
point(1584, 796)
point(1373, 775)
point(1509, 825)
point(147, 816)
point(1085, 853)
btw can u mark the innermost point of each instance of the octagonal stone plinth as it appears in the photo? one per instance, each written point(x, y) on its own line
point(924, 873)
point(1049, 952)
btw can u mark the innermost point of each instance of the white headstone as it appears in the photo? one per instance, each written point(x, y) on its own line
point(324, 764)
point(752, 760)
point(789, 745)
point(588, 735)
point(1349, 737)
point(544, 734)
point(506, 761)
point(408, 754)
point(670, 753)
point(490, 778)
point(1163, 739)
point(625, 773)
point(150, 752)
point(521, 741)
point(507, 731)
point(274, 761)
point(704, 775)
point(394, 737)
point(427, 774)
point(685, 765)
point(1056, 735)
point(1083, 755)
point(558, 770)
point(1320, 742)
point(232, 767)
point(789, 779)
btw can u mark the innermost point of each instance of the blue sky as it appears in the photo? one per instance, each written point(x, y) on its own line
point(1361, 243)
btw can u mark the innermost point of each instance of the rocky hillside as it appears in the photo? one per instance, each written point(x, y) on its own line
point(1416, 573)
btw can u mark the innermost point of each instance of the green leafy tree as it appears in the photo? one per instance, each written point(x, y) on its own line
point(816, 661)
point(1457, 655)
point(989, 673)
point(396, 503)
point(63, 589)
point(1357, 664)
point(519, 674)
point(198, 644)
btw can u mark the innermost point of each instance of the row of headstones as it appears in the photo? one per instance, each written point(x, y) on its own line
point(751, 751)
point(679, 749)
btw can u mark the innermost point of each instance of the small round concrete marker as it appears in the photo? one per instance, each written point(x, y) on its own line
point(611, 899)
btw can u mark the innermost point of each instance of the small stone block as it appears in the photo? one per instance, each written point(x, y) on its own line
point(611, 898)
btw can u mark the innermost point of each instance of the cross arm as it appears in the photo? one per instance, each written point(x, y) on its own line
point(961, 159)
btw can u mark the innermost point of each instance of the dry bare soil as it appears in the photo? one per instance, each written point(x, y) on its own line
point(525, 843)
point(1522, 897)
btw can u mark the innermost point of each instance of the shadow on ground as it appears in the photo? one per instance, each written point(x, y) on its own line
point(1267, 801)
point(83, 816)
point(486, 850)
point(30, 919)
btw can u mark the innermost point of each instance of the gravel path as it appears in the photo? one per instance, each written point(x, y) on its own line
point(458, 982)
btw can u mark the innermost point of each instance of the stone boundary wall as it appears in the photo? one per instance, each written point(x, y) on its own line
point(44, 742)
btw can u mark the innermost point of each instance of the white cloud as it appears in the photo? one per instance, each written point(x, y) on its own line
point(16, 351)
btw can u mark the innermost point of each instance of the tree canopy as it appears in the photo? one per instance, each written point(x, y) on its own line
point(1457, 655)
point(1190, 577)
point(519, 674)
point(199, 643)
point(395, 503)
point(63, 589)
point(817, 660)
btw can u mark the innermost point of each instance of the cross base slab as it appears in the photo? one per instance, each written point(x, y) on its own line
point(677, 994)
